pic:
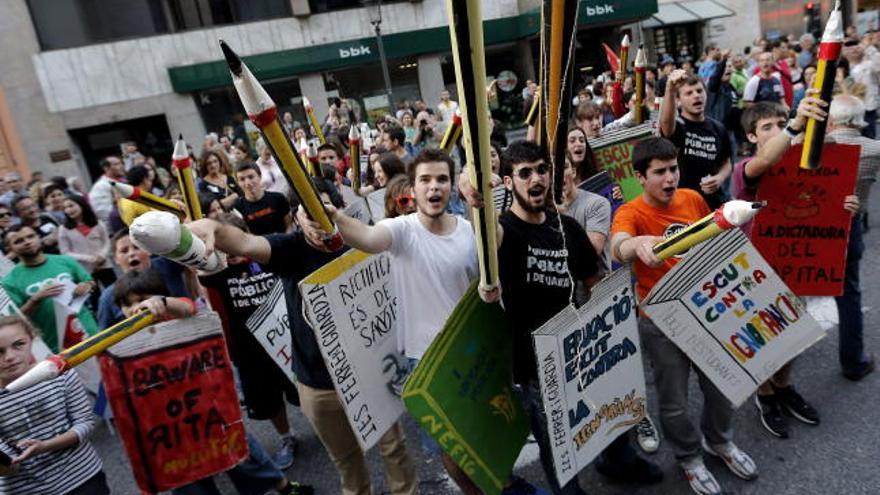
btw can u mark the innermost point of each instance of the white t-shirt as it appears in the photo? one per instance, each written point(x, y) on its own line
point(430, 274)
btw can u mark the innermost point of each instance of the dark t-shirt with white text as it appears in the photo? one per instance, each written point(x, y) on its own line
point(702, 148)
point(535, 278)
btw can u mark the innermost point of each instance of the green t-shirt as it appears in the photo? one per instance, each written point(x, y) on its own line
point(24, 281)
point(738, 80)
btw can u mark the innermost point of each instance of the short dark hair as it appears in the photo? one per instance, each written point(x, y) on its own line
point(761, 110)
point(16, 228)
point(391, 164)
point(653, 148)
point(396, 133)
point(123, 232)
point(105, 162)
point(328, 147)
point(136, 283)
point(18, 199)
point(690, 80)
point(327, 186)
point(136, 175)
point(521, 151)
point(241, 167)
point(429, 155)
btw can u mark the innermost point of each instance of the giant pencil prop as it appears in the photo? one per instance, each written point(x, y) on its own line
point(469, 55)
point(310, 113)
point(183, 163)
point(829, 52)
point(69, 358)
point(640, 66)
point(731, 214)
point(560, 22)
point(160, 233)
point(354, 152)
point(452, 134)
point(264, 114)
point(148, 199)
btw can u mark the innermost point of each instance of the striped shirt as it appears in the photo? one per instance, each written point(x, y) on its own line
point(42, 412)
point(869, 160)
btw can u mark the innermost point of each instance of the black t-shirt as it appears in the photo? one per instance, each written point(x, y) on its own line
point(535, 279)
point(266, 215)
point(243, 287)
point(45, 228)
point(702, 148)
point(292, 260)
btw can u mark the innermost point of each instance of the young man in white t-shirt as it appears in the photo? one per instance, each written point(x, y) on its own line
point(435, 261)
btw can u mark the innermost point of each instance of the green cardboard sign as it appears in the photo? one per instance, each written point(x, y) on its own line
point(462, 395)
point(614, 153)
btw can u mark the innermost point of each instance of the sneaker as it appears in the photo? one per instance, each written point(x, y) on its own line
point(519, 486)
point(737, 461)
point(294, 488)
point(646, 435)
point(867, 369)
point(284, 457)
point(791, 402)
point(771, 415)
point(700, 478)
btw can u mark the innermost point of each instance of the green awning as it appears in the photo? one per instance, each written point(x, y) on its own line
point(287, 63)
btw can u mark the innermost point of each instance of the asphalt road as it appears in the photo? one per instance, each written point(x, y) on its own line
point(838, 457)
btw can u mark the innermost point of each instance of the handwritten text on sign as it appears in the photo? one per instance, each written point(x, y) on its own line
point(351, 306)
point(803, 231)
point(270, 325)
point(726, 308)
point(592, 379)
point(175, 404)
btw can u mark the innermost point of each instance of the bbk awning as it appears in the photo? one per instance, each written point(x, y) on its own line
point(686, 12)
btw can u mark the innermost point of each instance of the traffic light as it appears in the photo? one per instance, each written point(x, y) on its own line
point(813, 19)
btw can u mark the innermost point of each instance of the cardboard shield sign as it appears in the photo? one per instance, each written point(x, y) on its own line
point(175, 404)
point(462, 395)
point(591, 374)
point(725, 307)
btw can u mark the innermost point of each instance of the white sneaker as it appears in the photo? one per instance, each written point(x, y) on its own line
point(647, 436)
point(736, 460)
point(700, 478)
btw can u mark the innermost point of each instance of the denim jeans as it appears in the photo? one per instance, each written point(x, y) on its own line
point(256, 475)
point(529, 395)
point(849, 305)
point(672, 369)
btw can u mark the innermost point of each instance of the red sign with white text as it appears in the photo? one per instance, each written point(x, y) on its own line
point(176, 407)
point(804, 230)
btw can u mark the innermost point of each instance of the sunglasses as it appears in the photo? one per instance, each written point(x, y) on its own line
point(5, 214)
point(526, 172)
point(404, 200)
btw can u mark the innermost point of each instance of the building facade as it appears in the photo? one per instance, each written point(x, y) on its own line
point(82, 76)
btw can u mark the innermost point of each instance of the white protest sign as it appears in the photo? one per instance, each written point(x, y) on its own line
point(270, 325)
point(591, 374)
point(351, 305)
point(726, 308)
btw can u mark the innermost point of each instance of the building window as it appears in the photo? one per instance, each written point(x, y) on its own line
point(73, 23)
point(320, 6)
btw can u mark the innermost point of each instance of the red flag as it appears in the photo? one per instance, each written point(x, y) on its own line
point(613, 59)
point(617, 103)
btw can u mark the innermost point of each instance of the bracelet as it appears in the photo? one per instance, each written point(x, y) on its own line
point(791, 131)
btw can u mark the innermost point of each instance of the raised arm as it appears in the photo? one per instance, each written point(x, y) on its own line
point(367, 238)
point(231, 240)
point(668, 107)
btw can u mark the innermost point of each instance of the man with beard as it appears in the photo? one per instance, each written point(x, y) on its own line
point(545, 256)
point(702, 142)
point(661, 210)
point(39, 278)
point(434, 259)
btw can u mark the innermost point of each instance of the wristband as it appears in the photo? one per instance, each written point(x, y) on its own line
point(791, 131)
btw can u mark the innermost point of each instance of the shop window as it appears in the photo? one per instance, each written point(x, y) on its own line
point(365, 85)
point(320, 6)
point(72, 23)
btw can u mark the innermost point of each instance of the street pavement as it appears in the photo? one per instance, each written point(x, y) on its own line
point(838, 457)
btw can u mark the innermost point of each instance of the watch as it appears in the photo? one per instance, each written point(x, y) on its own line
point(791, 131)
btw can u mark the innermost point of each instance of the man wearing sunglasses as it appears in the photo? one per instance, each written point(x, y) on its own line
point(543, 255)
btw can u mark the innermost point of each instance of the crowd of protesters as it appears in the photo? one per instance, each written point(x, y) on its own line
point(748, 105)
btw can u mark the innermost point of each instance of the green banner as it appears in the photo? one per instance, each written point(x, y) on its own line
point(614, 153)
point(462, 395)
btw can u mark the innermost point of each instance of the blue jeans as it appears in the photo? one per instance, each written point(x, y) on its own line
point(256, 475)
point(529, 395)
point(849, 305)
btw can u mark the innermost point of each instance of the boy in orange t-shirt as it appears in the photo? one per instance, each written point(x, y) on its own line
point(661, 210)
